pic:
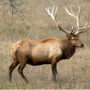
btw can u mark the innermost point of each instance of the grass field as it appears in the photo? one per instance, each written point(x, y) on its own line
point(37, 24)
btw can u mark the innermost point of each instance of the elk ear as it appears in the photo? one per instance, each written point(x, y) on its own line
point(67, 35)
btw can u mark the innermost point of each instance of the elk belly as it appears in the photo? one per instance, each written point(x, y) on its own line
point(40, 53)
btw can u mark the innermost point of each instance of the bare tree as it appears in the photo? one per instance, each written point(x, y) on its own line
point(15, 9)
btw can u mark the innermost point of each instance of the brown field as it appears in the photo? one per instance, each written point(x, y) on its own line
point(37, 24)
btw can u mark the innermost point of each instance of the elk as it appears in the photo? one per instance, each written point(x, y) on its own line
point(47, 51)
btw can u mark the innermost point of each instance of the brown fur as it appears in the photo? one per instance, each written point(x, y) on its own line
point(47, 51)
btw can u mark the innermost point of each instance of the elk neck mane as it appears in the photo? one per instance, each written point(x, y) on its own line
point(67, 48)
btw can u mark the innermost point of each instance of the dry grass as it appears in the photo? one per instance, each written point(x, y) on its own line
point(72, 74)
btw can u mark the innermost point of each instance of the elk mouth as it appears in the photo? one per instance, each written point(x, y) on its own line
point(81, 46)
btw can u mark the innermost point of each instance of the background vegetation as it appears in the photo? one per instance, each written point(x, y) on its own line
point(27, 19)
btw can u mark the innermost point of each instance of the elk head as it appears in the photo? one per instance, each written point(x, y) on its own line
point(73, 35)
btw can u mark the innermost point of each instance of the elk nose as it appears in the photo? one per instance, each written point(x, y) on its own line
point(82, 45)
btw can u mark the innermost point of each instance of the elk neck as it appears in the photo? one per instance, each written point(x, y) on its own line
point(67, 48)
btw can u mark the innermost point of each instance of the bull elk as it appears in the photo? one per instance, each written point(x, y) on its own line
point(47, 51)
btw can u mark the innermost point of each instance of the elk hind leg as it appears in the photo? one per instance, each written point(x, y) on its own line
point(20, 70)
point(11, 68)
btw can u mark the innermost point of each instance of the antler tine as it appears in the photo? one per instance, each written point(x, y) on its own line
point(83, 27)
point(71, 9)
point(79, 11)
point(53, 10)
point(71, 14)
point(52, 13)
point(53, 16)
point(55, 13)
point(77, 18)
point(83, 30)
point(68, 12)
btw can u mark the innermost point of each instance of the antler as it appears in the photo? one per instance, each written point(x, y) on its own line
point(53, 16)
point(77, 19)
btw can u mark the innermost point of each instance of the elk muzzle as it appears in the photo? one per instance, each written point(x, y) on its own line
point(82, 45)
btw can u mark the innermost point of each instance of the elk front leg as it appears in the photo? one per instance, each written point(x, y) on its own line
point(54, 70)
